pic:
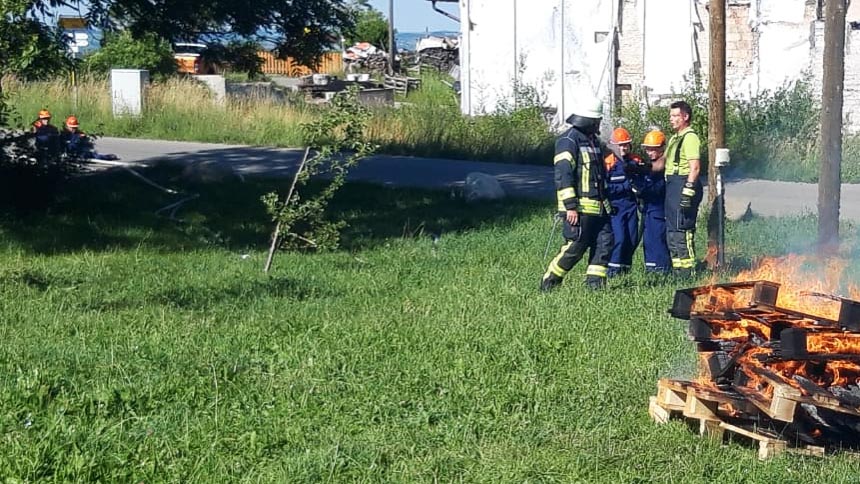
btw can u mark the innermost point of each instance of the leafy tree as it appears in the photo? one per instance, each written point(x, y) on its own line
point(370, 26)
point(238, 56)
point(29, 48)
point(122, 51)
point(303, 29)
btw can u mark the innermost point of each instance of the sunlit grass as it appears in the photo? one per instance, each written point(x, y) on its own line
point(134, 349)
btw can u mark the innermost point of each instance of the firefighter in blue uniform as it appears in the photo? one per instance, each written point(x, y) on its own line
point(650, 186)
point(580, 183)
point(625, 208)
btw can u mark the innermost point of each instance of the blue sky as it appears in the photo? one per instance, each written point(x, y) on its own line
point(418, 15)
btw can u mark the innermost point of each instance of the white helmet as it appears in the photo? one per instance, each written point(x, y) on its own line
point(587, 106)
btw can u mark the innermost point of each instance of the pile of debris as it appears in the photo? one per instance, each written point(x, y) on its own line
point(440, 53)
point(784, 378)
point(365, 57)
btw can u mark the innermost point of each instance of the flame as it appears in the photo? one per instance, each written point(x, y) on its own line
point(799, 275)
point(806, 285)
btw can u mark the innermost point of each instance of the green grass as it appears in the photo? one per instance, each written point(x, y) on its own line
point(133, 349)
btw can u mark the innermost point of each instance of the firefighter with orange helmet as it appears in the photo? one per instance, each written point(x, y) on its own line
point(625, 213)
point(47, 135)
point(650, 186)
point(78, 145)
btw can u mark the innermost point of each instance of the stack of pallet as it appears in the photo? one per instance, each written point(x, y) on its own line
point(402, 85)
point(784, 378)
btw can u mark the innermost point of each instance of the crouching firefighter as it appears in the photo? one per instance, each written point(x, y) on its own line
point(580, 183)
point(625, 208)
point(650, 186)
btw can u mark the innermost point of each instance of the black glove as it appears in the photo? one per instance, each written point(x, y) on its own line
point(643, 168)
point(687, 194)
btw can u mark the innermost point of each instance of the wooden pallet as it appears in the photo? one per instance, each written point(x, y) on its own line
point(711, 411)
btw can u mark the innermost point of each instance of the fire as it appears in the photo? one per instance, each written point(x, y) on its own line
point(802, 279)
point(839, 344)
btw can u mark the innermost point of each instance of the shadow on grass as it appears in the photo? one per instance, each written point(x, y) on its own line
point(114, 210)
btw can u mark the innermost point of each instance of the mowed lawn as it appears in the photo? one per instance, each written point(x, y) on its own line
point(135, 349)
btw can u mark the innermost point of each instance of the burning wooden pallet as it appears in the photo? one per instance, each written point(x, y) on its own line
point(784, 378)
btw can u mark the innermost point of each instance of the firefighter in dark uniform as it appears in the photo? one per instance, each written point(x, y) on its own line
point(625, 207)
point(683, 189)
point(580, 183)
point(649, 184)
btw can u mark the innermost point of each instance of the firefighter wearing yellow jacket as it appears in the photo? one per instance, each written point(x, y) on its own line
point(683, 189)
point(580, 183)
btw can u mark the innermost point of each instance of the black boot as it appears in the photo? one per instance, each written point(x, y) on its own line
point(595, 282)
point(549, 282)
point(682, 274)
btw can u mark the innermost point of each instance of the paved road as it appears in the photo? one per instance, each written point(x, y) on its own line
point(766, 198)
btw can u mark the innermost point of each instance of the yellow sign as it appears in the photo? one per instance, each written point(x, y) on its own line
point(71, 23)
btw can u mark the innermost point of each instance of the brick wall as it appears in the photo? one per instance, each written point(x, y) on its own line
point(629, 55)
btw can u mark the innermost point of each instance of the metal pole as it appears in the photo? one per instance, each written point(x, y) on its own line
point(391, 37)
point(830, 177)
point(716, 128)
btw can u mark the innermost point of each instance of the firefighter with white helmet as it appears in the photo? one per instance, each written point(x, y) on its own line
point(580, 183)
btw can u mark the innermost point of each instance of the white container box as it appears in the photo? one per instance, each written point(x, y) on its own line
point(127, 86)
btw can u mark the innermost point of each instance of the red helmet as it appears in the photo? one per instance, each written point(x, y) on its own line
point(620, 136)
point(72, 122)
point(44, 113)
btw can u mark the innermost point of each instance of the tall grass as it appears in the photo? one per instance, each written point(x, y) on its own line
point(429, 123)
point(135, 350)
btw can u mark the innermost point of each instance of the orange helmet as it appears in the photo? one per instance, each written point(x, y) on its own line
point(72, 122)
point(44, 113)
point(620, 136)
point(654, 139)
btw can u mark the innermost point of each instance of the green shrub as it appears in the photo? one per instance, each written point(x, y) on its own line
point(123, 51)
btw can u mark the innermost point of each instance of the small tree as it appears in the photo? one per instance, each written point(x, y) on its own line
point(123, 51)
point(339, 144)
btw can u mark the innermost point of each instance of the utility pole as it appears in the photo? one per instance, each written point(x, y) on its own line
point(830, 176)
point(391, 37)
point(716, 131)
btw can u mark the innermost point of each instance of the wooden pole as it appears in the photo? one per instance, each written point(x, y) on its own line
point(716, 125)
point(391, 37)
point(830, 176)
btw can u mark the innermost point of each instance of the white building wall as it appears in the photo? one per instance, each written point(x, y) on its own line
point(562, 48)
point(559, 47)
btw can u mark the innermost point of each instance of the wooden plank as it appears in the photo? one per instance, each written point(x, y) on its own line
point(768, 447)
point(778, 408)
point(699, 408)
point(658, 414)
point(671, 395)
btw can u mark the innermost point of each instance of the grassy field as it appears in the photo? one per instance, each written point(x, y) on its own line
point(134, 349)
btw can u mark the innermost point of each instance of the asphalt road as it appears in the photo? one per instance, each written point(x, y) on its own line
point(767, 198)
